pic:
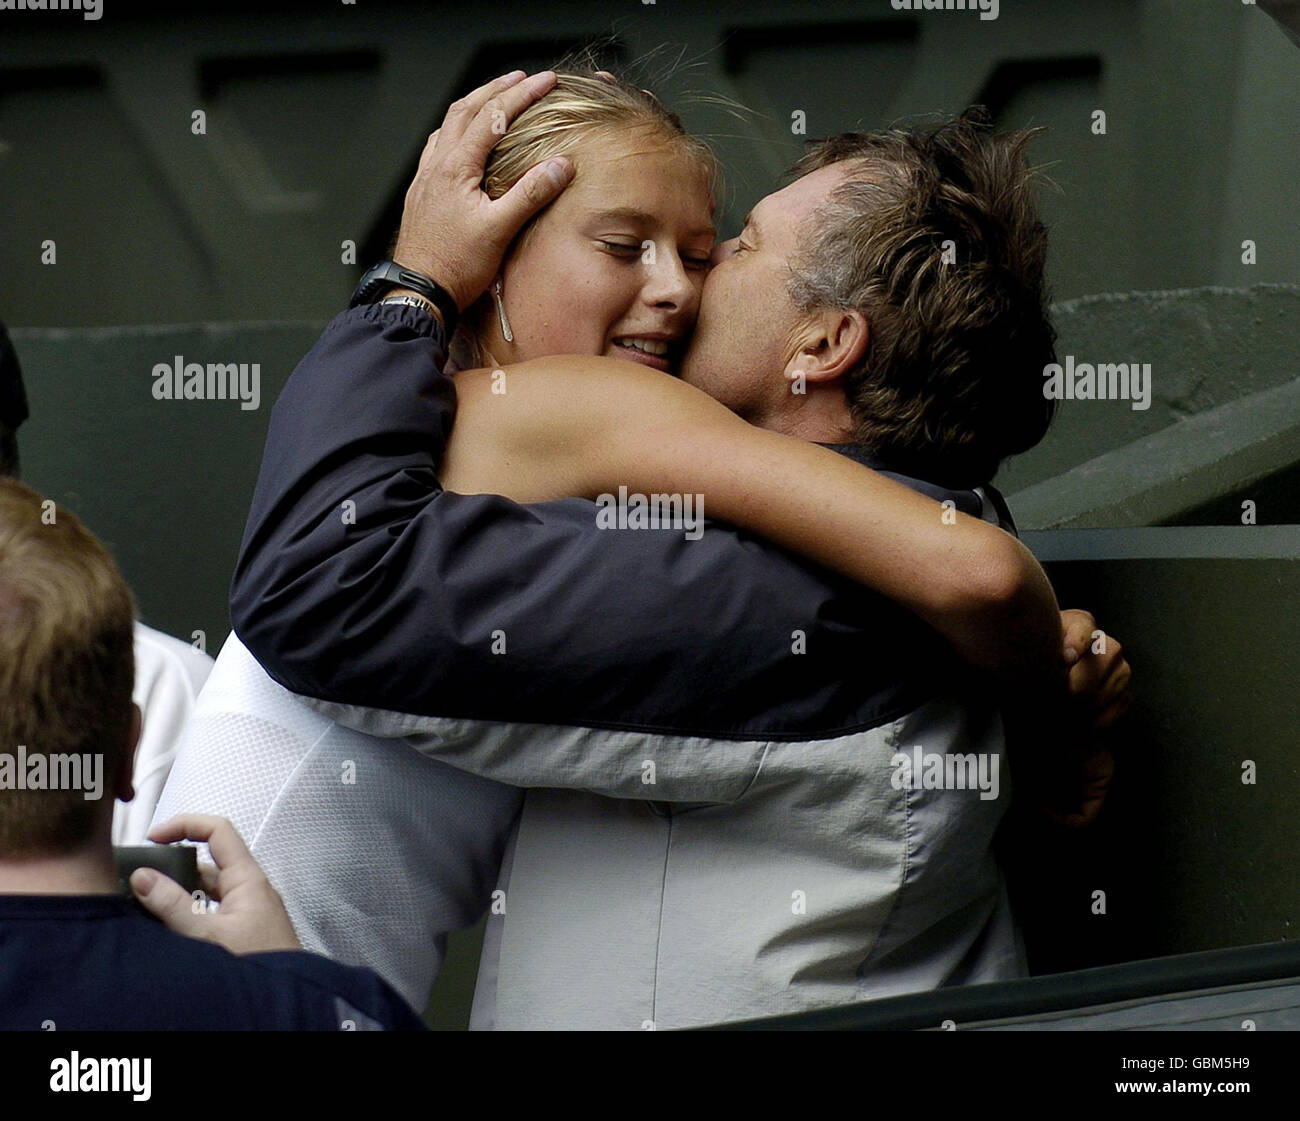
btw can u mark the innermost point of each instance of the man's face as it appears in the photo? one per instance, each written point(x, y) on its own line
point(747, 334)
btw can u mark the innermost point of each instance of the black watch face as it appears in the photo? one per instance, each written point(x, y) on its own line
point(374, 282)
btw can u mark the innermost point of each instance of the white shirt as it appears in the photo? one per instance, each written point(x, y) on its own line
point(169, 674)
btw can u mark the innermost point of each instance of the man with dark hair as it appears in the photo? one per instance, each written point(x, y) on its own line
point(933, 239)
point(951, 383)
point(813, 874)
point(74, 953)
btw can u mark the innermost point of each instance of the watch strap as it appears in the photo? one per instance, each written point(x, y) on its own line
point(389, 274)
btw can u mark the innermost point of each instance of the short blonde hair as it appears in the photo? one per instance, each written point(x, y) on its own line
point(67, 665)
point(581, 107)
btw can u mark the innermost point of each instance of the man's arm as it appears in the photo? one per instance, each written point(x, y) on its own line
point(362, 582)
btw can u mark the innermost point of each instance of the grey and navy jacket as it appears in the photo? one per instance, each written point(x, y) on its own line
point(718, 823)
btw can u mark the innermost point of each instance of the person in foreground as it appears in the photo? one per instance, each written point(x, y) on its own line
point(665, 671)
point(75, 955)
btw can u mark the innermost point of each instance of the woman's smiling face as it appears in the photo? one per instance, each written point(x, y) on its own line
point(615, 265)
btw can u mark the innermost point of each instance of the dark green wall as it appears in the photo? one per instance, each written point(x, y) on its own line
point(317, 112)
point(166, 484)
point(1191, 857)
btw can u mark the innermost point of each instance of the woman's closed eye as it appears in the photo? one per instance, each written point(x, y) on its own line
point(623, 248)
point(632, 249)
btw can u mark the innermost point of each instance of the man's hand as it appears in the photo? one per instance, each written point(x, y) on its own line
point(451, 231)
point(251, 918)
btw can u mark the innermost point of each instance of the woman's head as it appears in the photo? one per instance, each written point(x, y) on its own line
point(615, 265)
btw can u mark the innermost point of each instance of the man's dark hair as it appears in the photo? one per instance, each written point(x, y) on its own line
point(935, 238)
point(13, 405)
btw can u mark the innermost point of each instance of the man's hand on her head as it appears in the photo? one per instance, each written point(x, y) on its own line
point(451, 231)
point(251, 918)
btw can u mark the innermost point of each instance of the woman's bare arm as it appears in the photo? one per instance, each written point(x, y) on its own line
point(581, 427)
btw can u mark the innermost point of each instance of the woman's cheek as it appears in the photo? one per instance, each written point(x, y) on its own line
point(599, 300)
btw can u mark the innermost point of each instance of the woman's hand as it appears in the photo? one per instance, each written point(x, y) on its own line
point(1101, 680)
point(451, 231)
point(1063, 760)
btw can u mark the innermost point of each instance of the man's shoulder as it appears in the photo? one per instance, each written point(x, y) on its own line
point(361, 1000)
point(979, 500)
point(294, 988)
point(145, 976)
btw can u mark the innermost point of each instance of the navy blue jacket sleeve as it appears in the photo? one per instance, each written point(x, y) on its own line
point(362, 582)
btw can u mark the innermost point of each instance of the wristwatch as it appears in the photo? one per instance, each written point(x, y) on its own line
point(388, 275)
point(412, 301)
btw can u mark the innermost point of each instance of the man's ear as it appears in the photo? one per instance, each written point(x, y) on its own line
point(833, 342)
point(125, 790)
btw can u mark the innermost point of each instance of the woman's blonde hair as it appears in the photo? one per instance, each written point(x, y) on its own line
point(582, 105)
